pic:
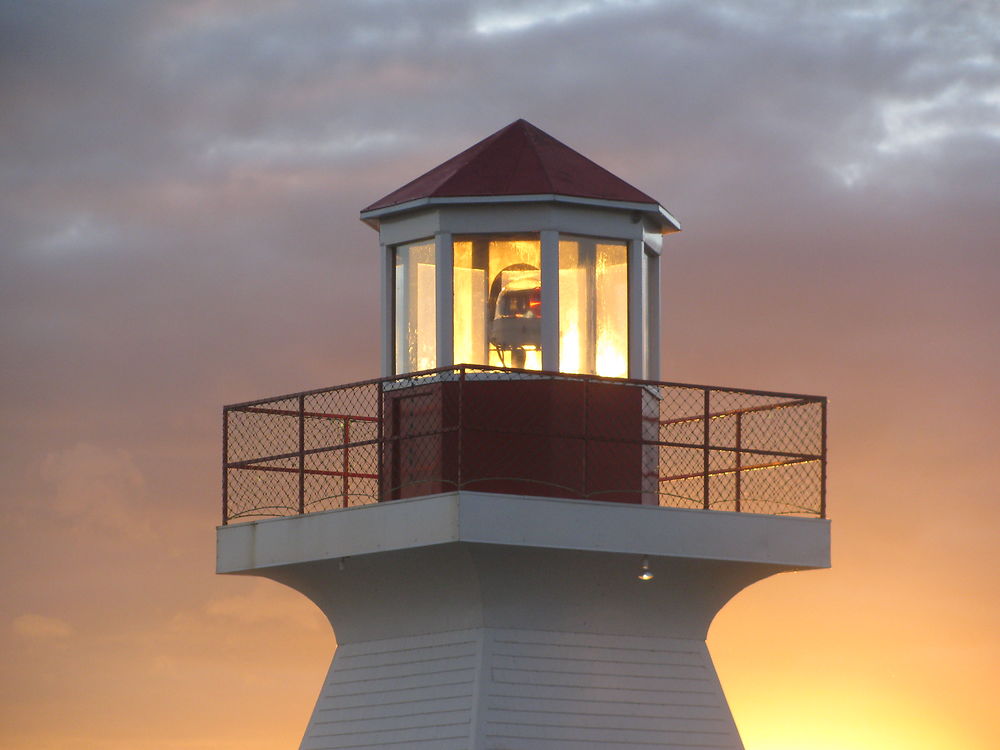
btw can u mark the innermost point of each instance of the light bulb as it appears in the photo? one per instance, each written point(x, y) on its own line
point(645, 574)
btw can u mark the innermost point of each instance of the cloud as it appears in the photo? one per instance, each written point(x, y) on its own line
point(238, 618)
point(298, 152)
point(266, 603)
point(519, 16)
point(82, 233)
point(97, 487)
point(916, 124)
point(41, 627)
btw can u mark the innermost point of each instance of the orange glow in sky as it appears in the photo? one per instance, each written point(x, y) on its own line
point(179, 230)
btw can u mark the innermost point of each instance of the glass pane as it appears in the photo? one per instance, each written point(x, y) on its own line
point(497, 284)
point(574, 310)
point(611, 299)
point(471, 293)
point(593, 306)
point(415, 302)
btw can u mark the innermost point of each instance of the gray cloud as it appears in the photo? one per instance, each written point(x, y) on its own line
point(177, 176)
point(182, 181)
point(181, 184)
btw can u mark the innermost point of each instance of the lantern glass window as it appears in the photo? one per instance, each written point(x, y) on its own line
point(593, 306)
point(414, 307)
point(497, 301)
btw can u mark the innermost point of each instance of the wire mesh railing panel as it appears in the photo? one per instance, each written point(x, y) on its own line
point(528, 433)
point(785, 489)
point(260, 431)
point(261, 493)
point(341, 440)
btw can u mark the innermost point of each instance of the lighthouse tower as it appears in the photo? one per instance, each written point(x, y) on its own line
point(519, 533)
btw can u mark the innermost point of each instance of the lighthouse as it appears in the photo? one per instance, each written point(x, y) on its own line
point(519, 532)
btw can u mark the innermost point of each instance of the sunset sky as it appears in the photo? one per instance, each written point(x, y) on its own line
point(179, 230)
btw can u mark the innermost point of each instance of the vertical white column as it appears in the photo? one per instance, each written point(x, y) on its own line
point(445, 309)
point(387, 286)
point(636, 311)
point(550, 299)
point(653, 316)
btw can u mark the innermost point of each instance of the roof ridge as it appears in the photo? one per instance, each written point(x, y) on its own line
point(535, 163)
point(531, 136)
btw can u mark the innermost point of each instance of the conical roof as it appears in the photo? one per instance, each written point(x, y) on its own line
point(519, 159)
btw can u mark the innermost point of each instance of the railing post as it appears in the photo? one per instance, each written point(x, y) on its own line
point(822, 450)
point(302, 454)
point(225, 467)
point(586, 433)
point(739, 460)
point(459, 432)
point(705, 456)
point(381, 468)
point(346, 467)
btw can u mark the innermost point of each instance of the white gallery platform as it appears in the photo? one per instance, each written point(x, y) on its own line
point(475, 621)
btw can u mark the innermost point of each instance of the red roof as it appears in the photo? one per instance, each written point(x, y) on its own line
point(520, 159)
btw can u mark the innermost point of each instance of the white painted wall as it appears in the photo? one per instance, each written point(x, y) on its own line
point(508, 689)
point(491, 622)
point(787, 541)
point(418, 691)
point(563, 691)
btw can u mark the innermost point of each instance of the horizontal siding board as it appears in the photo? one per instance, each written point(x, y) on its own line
point(590, 734)
point(606, 654)
point(454, 743)
point(592, 667)
point(348, 725)
point(598, 640)
point(585, 707)
point(406, 723)
point(612, 721)
point(457, 742)
point(437, 731)
point(608, 695)
point(409, 643)
point(352, 662)
point(520, 743)
point(398, 709)
point(395, 684)
point(404, 669)
point(642, 684)
point(351, 700)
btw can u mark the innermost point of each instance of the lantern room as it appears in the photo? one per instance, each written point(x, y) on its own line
point(520, 253)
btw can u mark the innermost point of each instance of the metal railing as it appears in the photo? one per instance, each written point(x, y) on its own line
point(494, 429)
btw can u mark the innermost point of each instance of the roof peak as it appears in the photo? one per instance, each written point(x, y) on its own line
point(518, 159)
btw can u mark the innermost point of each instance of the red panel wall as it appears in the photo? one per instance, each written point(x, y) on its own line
point(555, 438)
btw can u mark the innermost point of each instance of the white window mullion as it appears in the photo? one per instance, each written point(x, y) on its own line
point(445, 308)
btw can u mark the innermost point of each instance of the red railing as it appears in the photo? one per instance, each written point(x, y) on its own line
point(688, 445)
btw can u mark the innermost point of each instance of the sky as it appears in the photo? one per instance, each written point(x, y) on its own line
point(179, 230)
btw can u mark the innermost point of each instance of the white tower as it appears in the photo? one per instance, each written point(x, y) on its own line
point(519, 535)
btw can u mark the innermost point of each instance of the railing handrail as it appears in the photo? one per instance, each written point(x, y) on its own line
point(540, 373)
point(802, 440)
